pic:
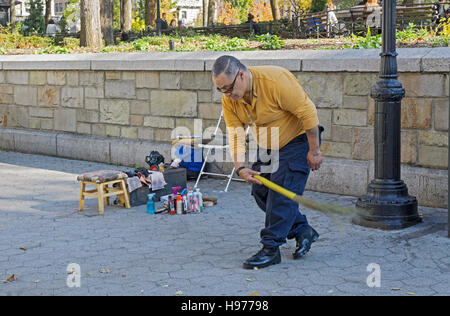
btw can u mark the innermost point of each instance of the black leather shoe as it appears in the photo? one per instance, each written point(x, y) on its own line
point(264, 258)
point(304, 242)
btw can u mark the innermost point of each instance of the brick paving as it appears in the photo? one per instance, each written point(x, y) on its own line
point(129, 252)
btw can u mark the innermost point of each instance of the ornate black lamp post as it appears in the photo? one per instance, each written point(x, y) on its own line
point(158, 18)
point(387, 204)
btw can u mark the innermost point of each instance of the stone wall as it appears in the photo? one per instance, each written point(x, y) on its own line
point(117, 107)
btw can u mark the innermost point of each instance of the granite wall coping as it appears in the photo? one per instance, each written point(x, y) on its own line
point(349, 60)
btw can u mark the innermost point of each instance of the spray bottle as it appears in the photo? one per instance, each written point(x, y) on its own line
point(190, 198)
point(179, 205)
point(200, 199)
point(150, 204)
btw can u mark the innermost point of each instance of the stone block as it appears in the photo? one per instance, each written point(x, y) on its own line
point(335, 149)
point(115, 112)
point(47, 124)
point(129, 132)
point(91, 104)
point(341, 133)
point(17, 116)
point(340, 176)
point(324, 89)
point(359, 84)
point(7, 139)
point(162, 134)
point(433, 139)
point(416, 113)
point(147, 80)
point(325, 120)
point(112, 130)
point(136, 120)
point(429, 186)
point(363, 144)
point(432, 156)
point(145, 133)
point(6, 89)
point(17, 77)
point(423, 85)
point(440, 107)
point(209, 111)
point(25, 95)
point(143, 94)
point(140, 107)
point(113, 75)
point(34, 123)
point(94, 92)
point(127, 75)
point(173, 103)
point(92, 78)
point(49, 96)
point(2, 76)
point(35, 142)
point(349, 117)
point(159, 122)
point(41, 112)
point(72, 97)
point(170, 80)
point(99, 129)
point(6, 98)
point(72, 78)
point(408, 152)
point(196, 81)
point(38, 78)
point(83, 148)
point(56, 78)
point(355, 102)
point(120, 89)
point(87, 116)
point(84, 128)
point(204, 96)
point(65, 120)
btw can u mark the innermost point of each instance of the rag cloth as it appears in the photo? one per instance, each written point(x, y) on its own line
point(157, 180)
point(134, 183)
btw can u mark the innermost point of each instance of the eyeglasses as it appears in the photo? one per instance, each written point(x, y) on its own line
point(231, 88)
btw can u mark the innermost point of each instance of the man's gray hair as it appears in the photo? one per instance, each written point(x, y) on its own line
point(228, 65)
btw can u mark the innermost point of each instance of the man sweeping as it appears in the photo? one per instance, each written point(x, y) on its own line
point(284, 122)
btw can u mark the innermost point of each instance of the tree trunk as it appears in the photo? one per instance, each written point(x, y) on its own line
point(150, 7)
point(48, 11)
point(205, 12)
point(211, 11)
point(106, 19)
point(275, 10)
point(90, 34)
point(12, 13)
point(126, 18)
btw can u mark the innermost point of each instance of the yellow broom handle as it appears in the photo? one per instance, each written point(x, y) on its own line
point(275, 187)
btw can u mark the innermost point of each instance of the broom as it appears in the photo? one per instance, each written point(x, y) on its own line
point(321, 207)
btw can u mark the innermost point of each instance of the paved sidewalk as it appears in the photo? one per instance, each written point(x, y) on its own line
point(128, 252)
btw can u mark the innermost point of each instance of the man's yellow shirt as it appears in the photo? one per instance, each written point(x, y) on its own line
point(280, 110)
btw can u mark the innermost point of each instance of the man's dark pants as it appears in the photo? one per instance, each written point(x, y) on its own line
point(283, 218)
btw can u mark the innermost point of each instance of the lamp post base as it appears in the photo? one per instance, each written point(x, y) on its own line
point(387, 206)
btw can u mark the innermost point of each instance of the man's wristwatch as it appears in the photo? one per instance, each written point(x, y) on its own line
point(239, 170)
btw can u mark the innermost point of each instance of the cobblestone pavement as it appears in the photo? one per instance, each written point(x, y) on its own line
point(128, 252)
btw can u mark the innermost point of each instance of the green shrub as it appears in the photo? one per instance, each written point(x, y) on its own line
point(270, 42)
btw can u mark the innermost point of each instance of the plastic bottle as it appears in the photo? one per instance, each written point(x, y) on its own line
point(200, 199)
point(190, 198)
point(172, 207)
point(185, 204)
point(179, 205)
point(150, 204)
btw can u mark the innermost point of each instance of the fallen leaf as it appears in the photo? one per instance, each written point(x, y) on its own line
point(178, 293)
point(255, 268)
point(254, 293)
point(410, 293)
point(395, 289)
point(105, 271)
point(249, 280)
point(37, 281)
point(23, 248)
point(12, 278)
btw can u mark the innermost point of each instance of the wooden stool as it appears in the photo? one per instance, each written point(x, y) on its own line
point(102, 179)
